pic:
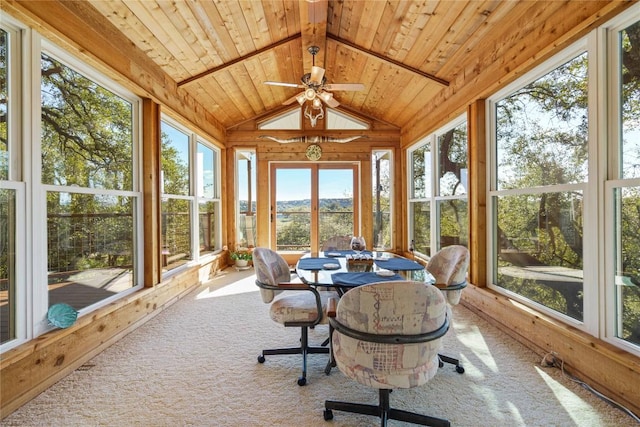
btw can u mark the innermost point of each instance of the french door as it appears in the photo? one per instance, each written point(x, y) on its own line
point(311, 202)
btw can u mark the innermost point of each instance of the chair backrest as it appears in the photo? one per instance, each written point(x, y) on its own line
point(449, 267)
point(392, 307)
point(337, 243)
point(390, 314)
point(271, 269)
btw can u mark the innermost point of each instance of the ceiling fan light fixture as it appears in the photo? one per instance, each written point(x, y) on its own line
point(317, 103)
point(310, 94)
point(301, 98)
point(316, 75)
point(325, 96)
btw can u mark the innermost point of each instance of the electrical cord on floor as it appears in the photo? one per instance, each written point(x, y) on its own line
point(552, 360)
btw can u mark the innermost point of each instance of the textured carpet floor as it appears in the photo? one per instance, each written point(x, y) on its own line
point(195, 365)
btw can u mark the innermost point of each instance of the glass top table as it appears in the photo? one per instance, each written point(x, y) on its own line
point(345, 269)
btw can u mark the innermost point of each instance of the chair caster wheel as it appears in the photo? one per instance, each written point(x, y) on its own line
point(261, 359)
point(328, 414)
point(459, 369)
point(302, 381)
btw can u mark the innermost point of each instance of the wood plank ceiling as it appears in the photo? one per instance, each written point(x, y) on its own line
point(404, 52)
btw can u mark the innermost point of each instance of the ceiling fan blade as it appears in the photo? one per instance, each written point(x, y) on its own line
point(317, 73)
point(284, 84)
point(292, 99)
point(344, 86)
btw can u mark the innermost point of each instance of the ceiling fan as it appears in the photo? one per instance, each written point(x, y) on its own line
point(316, 88)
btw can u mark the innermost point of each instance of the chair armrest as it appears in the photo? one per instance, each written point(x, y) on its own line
point(454, 287)
point(332, 304)
point(289, 286)
point(390, 339)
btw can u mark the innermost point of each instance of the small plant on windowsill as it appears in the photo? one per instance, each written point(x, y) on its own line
point(241, 257)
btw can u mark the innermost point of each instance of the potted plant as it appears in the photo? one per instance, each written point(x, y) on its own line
point(241, 257)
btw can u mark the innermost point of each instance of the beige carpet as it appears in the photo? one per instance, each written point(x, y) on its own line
point(195, 365)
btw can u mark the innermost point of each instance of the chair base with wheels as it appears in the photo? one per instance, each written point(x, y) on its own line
point(449, 267)
point(446, 359)
point(304, 349)
point(384, 411)
point(387, 335)
point(297, 305)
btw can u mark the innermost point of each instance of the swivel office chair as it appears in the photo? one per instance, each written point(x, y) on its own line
point(449, 267)
point(386, 335)
point(299, 305)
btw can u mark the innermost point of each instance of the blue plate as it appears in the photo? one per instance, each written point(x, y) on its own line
point(62, 315)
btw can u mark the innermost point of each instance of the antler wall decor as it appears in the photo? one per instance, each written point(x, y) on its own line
point(309, 114)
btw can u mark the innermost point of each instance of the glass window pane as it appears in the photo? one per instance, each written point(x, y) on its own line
point(293, 209)
point(539, 240)
point(4, 107)
point(246, 201)
point(421, 218)
point(176, 232)
point(335, 193)
point(207, 225)
point(7, 265)
point(86, 131)
point(175, 161)
point(452, 165)
point(453, 223)
point(630, 101)
point(382, 182)
point(206, 172)
point(90, 247)
point(541, 130)
point(421, 172)
point(628, 264)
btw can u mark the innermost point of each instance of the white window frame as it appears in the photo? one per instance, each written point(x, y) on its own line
point(433, 196)
point(25, 176)
point(589, 188)
point(194, 198)
point(197, 139)
point(611, 131)
point(40, 190)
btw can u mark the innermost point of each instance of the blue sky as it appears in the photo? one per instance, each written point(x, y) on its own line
point(295, 184)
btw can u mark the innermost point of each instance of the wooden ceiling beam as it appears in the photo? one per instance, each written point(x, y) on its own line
point(388, 60)
point(239, 59)
point(313, 26)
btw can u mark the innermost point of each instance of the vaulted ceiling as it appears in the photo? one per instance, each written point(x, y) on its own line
point(222, 52)
point(405, 53)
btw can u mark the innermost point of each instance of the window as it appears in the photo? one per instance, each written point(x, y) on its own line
point(382, 162)
point(339, 120)
point(9, 191)
point(76, 209)
point(246, 199)
point(541, 152)
point(189, 176)
point(89, 178)
point(438, 190)
point(208, 201)
point(290, 120)
point(623, 189)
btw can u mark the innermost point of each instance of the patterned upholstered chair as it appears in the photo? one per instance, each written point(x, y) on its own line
point(449, 267)
point(387, 335)
point(296, 304)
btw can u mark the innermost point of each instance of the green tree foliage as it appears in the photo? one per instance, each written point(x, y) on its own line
point(86, 143)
